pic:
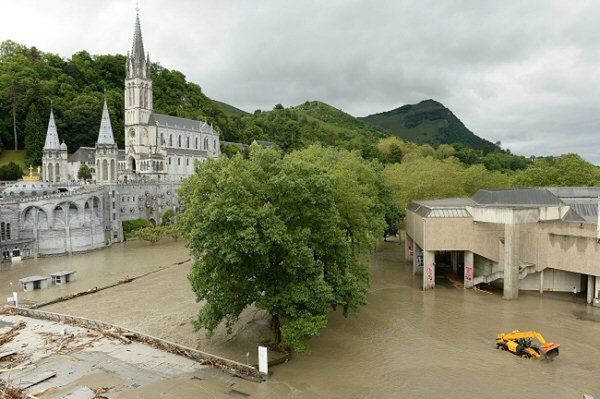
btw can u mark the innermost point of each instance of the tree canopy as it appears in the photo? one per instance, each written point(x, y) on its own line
point(271, 230)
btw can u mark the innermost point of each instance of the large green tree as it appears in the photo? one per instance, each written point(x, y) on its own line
point(266, 231)
point(34, 137)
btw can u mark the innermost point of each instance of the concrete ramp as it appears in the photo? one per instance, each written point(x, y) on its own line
point(524, 270)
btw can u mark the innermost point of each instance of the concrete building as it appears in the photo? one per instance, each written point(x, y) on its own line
point(34, 283)
point(542, 239)
point(62, 277)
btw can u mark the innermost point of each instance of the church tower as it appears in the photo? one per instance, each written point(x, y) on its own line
point(54, 158)
point(106, 151)
point(140, 131)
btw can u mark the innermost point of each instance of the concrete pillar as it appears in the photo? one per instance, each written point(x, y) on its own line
point(415, 258)
point(428, 270)
point(597, 288)
point(454, 261)
point(542, 282)
point(408, 248)
point(511, 261)
point(469, 269)
point(591, 285)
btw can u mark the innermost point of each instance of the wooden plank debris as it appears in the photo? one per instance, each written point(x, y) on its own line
point(31, 380)
point(7, 354)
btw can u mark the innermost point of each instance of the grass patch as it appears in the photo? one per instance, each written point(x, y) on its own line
point(8, 156)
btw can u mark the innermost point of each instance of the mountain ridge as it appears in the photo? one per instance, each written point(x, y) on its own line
point(427, 122)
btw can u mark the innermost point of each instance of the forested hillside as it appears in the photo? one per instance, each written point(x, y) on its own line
point(427, 122)
point(30, 80)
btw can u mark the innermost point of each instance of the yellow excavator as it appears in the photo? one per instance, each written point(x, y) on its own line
point(523, 344)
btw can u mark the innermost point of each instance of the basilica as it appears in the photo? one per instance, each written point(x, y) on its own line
point(158, 147)
point(60, 214)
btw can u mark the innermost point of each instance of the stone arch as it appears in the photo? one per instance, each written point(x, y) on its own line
point(92, 205)
point(132, 165)
point(34, 216)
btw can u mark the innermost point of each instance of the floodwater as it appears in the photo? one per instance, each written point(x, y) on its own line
point(93, 269)
point(405, 343)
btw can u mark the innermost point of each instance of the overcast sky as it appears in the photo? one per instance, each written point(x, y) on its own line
point(526, 73)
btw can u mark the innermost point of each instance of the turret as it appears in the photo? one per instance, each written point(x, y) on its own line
point(106, 150)
point(54, 156)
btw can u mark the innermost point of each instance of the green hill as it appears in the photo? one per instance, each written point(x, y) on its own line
point(427, 122)
point(230, 110)
point(309, 123)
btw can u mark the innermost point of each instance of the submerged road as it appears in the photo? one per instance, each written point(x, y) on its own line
point(405, 343)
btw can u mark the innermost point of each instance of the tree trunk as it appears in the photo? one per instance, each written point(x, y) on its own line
point(276, 326)
point(14, 115)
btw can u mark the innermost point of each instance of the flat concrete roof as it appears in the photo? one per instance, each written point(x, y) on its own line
point(31, 279)
point(63, 273)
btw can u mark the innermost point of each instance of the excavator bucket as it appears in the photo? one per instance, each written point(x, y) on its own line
point(550, 350)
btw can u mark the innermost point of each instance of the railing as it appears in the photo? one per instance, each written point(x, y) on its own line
point(21, 199)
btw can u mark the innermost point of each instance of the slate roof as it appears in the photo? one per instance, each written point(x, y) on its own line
point(517, 197)
point(83, 154)
point(181, 123)
point(583, 202)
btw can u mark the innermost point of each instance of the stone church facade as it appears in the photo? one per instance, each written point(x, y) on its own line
point(62, 215)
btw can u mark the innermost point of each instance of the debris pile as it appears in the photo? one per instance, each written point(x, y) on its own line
point(11, 334)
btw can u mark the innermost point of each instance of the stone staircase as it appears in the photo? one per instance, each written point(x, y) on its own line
point(524, 270)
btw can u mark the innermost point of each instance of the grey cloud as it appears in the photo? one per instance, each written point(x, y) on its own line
point(525, 73)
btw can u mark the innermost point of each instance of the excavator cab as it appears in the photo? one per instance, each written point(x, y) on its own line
point(523, 344)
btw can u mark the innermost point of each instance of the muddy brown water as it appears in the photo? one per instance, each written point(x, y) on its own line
point(93, 269)
point(405, 343)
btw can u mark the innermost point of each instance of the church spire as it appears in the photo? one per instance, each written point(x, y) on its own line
point(52, 142)
point(105, 135)
point(137, 64)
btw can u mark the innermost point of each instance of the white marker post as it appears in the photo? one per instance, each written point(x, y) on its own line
point(16, 299)
point(263, 360)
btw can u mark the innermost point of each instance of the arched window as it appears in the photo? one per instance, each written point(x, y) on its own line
point(2, 232)
point(162, 139)
point(112, 170)
point(56, 173)
point(188, 142)
point(8, 231)
point(179, 141)
point(196, 142)
point(105, 170)
point(170, 140)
